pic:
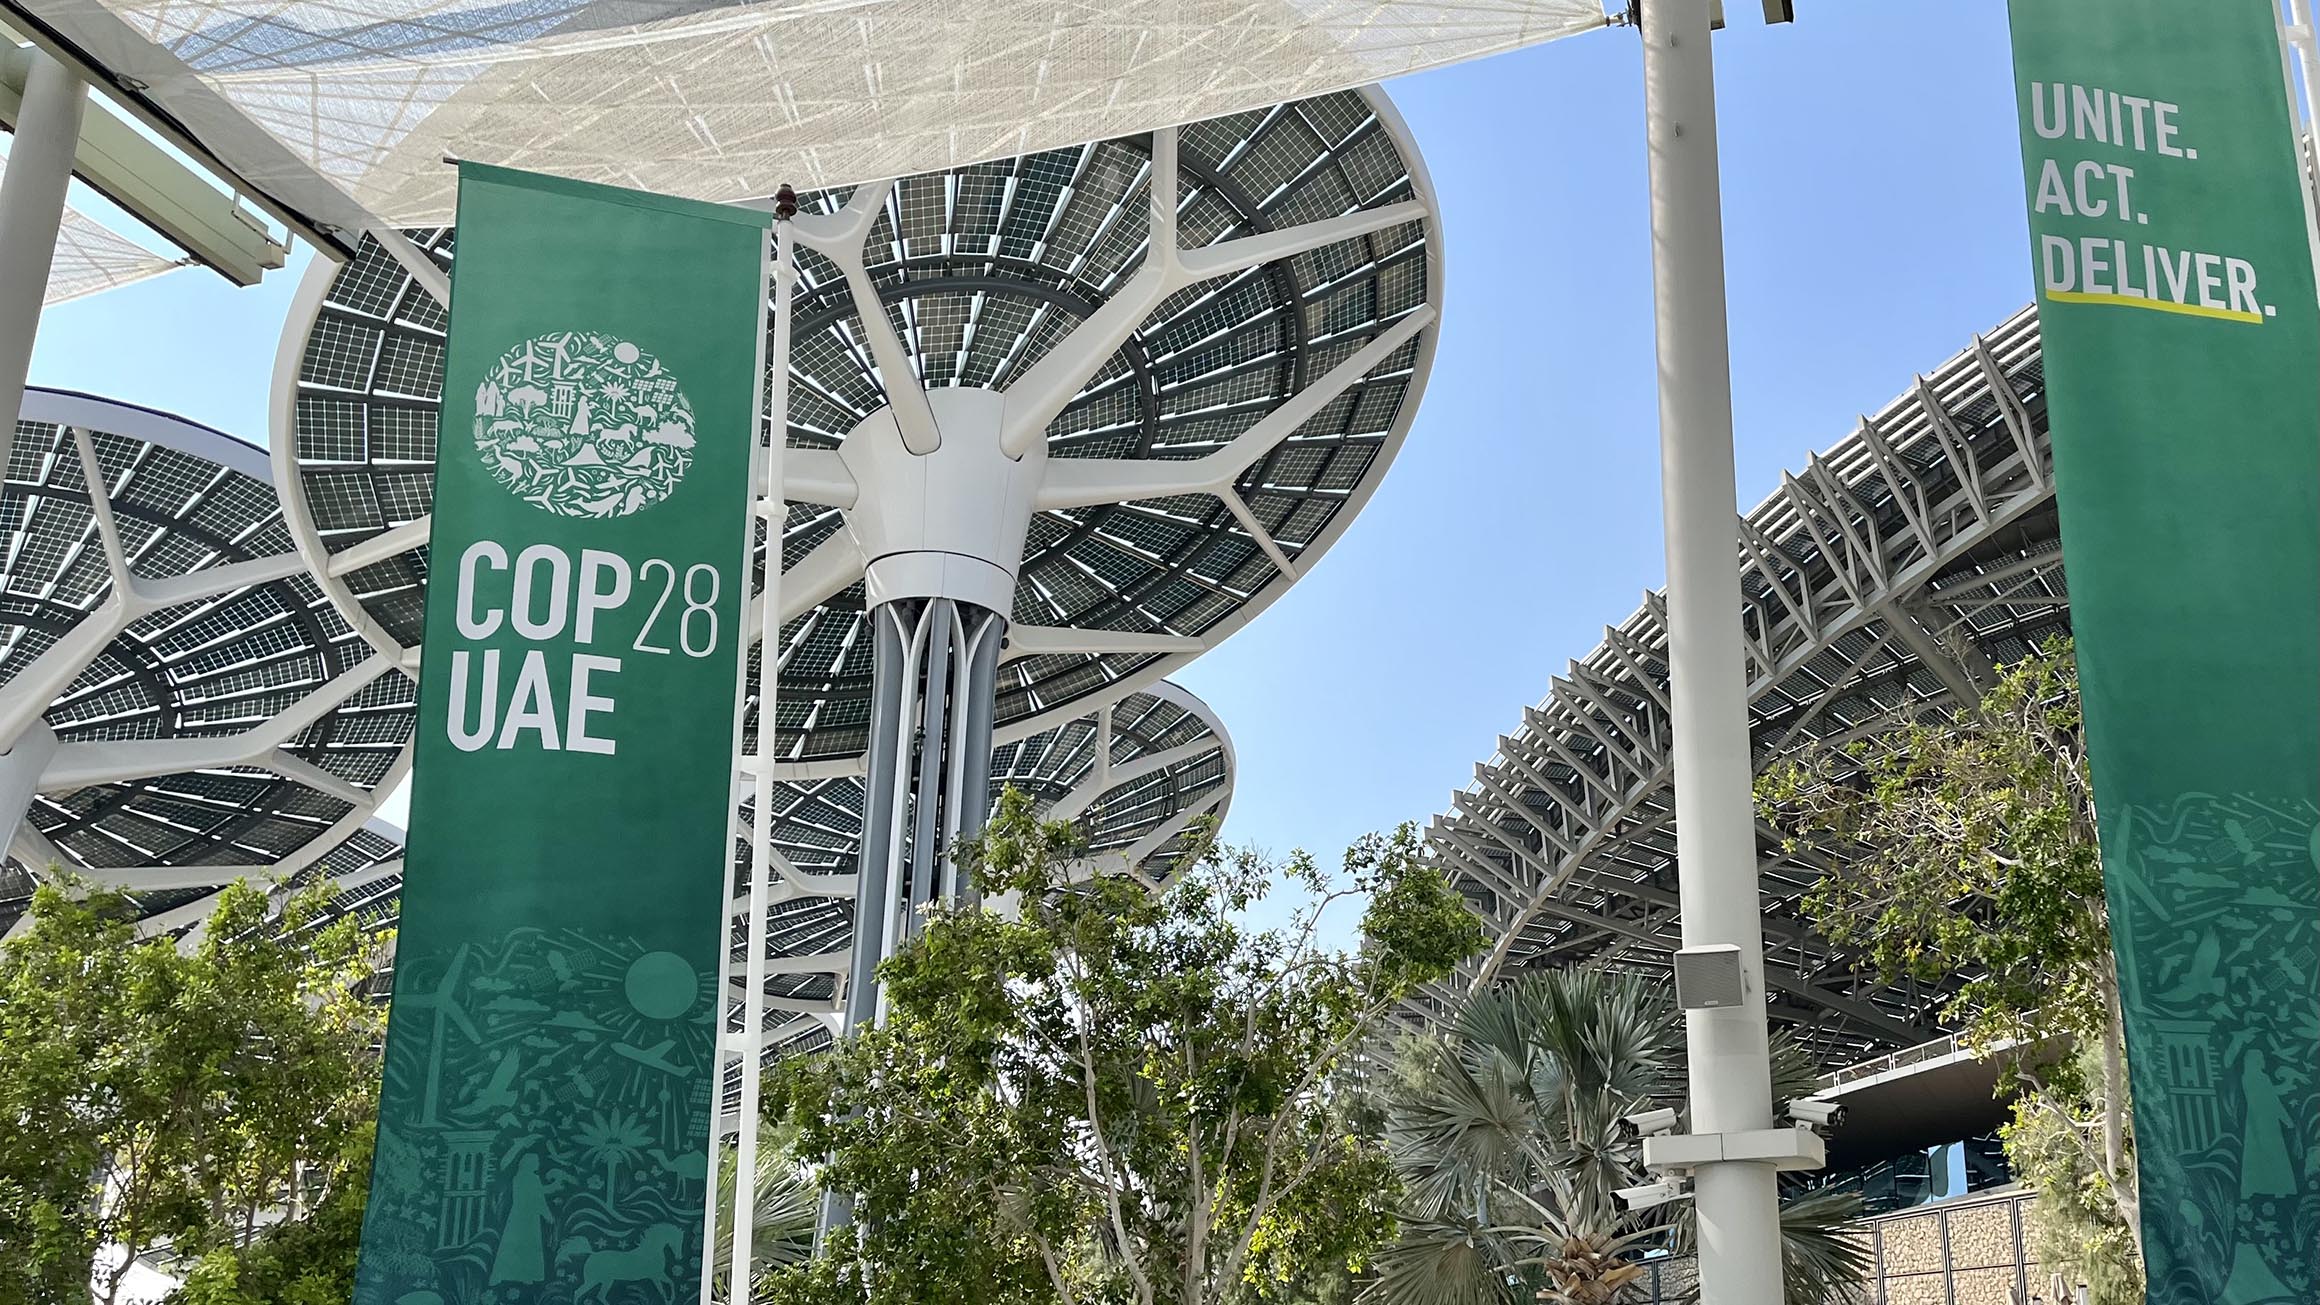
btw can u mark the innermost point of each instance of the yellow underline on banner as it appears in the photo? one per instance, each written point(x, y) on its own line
point(2155, 305)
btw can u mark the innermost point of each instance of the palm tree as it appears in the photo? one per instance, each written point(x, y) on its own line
point(612, 1140)
point(1506, 1135)
point(788, 1205)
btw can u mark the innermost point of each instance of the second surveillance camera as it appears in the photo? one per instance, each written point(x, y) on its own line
point(1816, 1114)
point(1650, 1123)
point(1650, 1194)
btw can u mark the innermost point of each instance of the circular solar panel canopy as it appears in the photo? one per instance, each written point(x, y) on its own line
point(1203, 421)
point(1139, 778)
point(180, 704)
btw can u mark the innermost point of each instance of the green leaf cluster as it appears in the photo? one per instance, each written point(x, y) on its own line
point(212, 1098)
point(1111, 1091)
point(1965, 848)
point(1505, 1130)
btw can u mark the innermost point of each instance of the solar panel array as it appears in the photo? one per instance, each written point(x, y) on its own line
point(1882, 583)
point(209, 669)
point(983, 269)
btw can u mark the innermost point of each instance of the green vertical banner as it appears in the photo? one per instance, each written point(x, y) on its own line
point(2182, 357)
point(551, 1074)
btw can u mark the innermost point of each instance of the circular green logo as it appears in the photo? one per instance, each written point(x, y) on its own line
point(583, 424)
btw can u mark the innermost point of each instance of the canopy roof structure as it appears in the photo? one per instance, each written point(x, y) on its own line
point(1135, 777)
point(90, 257)
point(1294, 366)
point(181, 705)
point(336, 116)
point(1884, 582)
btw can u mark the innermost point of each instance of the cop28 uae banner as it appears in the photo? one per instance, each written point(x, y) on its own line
point(2182, 363)
point(550, 1059)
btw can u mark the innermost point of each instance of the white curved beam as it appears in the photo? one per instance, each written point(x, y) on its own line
point(842, 239)
point(1040, 393)
point(818, 576)
point(78, 765)
point(345, 827)
point(1085, 482)
point(381, 546)
point(1036, 640)
point(28, 695)
point(818, 476)
point(1105, 778)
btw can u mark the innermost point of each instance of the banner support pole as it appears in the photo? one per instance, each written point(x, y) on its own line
point(773, 510)
point(1731, 1083)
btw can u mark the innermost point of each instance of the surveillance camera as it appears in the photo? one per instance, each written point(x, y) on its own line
point(1652, 1194)
point(1650, 1123)
point(1816, 1114)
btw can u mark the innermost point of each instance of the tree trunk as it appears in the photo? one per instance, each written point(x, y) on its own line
point(2116, 1167)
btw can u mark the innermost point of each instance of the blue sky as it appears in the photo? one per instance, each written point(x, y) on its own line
point(1873, 223)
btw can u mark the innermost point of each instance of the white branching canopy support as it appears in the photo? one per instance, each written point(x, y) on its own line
point(1041, 393)
point(36, 763)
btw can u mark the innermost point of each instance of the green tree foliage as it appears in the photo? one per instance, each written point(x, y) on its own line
point(1967, 847)
point(1505, 1132)
point(1118, 1094)
point(785, 1208)
point(214, 1099)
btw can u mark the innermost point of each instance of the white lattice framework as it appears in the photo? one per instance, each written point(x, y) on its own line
point(1882, 582)
point(180, 705)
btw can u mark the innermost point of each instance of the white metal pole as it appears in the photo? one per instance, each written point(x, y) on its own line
point(2300, 48)
point(1731, 1082)
point(32, 195)
point(761, 843)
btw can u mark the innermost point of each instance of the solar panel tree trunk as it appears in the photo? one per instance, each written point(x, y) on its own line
point(1731, 1079)
point(939, 487)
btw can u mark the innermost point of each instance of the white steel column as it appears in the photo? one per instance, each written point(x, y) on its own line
point(774, 510)
point(40, 161)
point(20, 770)
point(1731, 1083)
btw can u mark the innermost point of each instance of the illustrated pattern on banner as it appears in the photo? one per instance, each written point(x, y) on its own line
point(2182, 361)
point(550, 1068)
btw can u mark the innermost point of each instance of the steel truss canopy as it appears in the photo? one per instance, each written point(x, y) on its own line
point(1882, 583)
point(1213, 416)
point(1136, 777)
point(337, 115)
point(180, 704)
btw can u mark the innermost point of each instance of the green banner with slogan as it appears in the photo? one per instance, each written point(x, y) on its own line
point(2182, 363)
point(551, 1069)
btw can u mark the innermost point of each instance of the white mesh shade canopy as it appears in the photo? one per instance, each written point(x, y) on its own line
point(313, 103)
point(90, 257)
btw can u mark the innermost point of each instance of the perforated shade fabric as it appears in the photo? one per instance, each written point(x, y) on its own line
point(90, 257)
point(344, 109)
point(984, 269)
